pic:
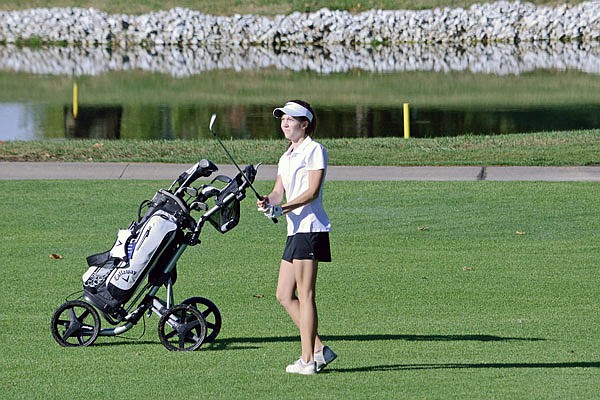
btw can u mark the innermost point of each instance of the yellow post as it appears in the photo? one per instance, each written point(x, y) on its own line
point(75, 100)
point(406, 122)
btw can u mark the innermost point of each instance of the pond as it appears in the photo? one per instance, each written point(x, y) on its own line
point(170, 92)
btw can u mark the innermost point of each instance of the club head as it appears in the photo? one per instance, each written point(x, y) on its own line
point(212, 122)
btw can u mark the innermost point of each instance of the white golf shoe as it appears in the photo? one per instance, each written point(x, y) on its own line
point(300, 367)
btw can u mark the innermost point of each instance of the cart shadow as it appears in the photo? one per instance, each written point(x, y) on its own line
point(118, 341)
point(238, 343)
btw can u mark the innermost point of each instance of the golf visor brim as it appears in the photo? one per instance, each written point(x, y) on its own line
point(294, 110)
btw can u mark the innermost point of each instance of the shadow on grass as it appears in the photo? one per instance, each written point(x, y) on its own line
point(413, 367)
point(235, 343)
point(245, 343)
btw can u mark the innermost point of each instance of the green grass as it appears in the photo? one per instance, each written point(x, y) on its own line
point(537, 149)
point(432, 294)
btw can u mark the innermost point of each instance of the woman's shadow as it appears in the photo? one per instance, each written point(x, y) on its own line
point(239, 343)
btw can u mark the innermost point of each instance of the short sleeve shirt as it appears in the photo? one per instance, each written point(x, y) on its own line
point(293, 168)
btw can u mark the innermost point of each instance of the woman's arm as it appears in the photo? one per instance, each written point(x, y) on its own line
point(315, 180)
point(276, 195)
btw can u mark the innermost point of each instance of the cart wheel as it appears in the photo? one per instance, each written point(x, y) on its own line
point(211, 314)
point(75, 323)
point(182, 328)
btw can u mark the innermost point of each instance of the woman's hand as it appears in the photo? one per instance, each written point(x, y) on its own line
point(263, 203)
point(274, 198)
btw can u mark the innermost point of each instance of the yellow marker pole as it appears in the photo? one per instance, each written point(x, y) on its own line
point(406, 122)
point(75, 100)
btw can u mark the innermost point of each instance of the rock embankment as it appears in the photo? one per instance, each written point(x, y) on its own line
point(502, 22)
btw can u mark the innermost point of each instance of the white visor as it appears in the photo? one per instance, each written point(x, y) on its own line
point(294, 110)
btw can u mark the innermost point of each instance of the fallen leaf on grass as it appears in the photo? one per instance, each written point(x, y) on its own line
point(520, 233)
point(55, 256)
point(259, 296)
point(422, 228)
point(467, 269)
point(98, 145)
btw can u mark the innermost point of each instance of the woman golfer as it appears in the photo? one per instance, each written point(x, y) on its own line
point(300, 175)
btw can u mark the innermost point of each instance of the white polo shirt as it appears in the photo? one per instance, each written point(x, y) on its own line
point(293, 168)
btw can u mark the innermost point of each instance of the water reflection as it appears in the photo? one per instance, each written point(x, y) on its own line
point(255, 122)
point(21, 121)
point(438, 122)
point(93, 122)
point(136, 120)
point(498, 59)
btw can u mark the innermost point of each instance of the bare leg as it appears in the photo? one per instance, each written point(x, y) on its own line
point(290, 279)
point(306, 276)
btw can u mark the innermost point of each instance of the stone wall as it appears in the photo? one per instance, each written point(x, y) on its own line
point(505, 22)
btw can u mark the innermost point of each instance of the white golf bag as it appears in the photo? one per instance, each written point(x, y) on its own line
point(113, 276)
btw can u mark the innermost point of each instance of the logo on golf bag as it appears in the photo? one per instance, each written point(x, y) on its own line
point(133, 255)
point(130, 273)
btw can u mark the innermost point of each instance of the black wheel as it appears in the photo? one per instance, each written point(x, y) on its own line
point(182, 328)
point(75, 323)
point(211, 314)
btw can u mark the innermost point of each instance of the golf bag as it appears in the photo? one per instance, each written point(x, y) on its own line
point(150, 248)
point(139, 251)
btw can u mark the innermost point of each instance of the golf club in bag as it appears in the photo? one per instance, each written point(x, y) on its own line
point(122, 284)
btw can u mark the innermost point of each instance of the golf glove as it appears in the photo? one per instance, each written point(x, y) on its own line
point(272, 211)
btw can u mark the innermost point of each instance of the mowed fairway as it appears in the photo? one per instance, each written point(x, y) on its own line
point(438, 290)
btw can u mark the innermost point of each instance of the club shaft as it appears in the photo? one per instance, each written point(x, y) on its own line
point(258, 196)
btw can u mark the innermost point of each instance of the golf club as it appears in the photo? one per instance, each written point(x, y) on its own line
point(213, 118)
